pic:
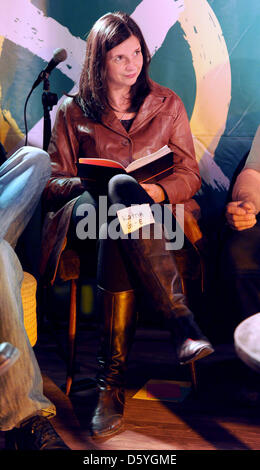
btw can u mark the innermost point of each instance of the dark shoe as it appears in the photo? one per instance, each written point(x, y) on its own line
point(192, 350)
point(190, 343)
point(36, 433)
point(8, 355)
point(108, 417)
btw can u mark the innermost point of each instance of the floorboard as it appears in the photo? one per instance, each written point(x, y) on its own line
point(223, 414)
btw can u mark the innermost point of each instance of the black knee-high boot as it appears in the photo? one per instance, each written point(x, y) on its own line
point(118, 317)
point(158, 273)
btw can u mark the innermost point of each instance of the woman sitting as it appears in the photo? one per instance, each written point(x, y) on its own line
point(119, 113)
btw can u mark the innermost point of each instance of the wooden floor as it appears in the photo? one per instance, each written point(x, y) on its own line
point(222, 415)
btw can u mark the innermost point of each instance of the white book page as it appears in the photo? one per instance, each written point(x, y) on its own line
point(148, 158)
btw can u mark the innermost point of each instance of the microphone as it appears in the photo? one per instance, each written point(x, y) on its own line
point(59, 55)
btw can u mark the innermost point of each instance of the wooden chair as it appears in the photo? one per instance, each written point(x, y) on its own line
point(69, 270)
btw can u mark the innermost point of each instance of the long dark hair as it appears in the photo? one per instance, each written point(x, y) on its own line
point(109, 31)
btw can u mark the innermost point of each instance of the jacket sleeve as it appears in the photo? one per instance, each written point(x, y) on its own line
point(63, 184)
point(185, 180)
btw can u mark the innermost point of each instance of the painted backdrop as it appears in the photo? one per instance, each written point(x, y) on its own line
point(206, 51)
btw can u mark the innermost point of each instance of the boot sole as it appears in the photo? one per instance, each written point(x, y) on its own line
point(107, 434)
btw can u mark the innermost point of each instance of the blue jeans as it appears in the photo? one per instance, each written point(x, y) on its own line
point(22, 180)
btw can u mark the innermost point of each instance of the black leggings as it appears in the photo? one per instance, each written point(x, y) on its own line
point(104, 257)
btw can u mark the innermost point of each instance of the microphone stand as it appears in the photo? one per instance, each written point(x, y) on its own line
point(48, 101)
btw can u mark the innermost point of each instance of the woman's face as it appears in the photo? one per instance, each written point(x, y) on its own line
point(124, 63)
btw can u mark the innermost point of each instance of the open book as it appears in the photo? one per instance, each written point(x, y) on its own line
point(148, 169)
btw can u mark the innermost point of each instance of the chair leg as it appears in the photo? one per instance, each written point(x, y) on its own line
point(72, 334)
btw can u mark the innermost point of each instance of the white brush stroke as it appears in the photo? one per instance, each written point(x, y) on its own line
point(27, 26)
point(155, 18)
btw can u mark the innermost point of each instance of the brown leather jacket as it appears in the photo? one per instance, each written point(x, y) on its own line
point(161, 120)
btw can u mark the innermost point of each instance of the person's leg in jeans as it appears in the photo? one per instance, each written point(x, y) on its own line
point(22, 180)
point(8, 355)
point(17, 203)
point(21, 386)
